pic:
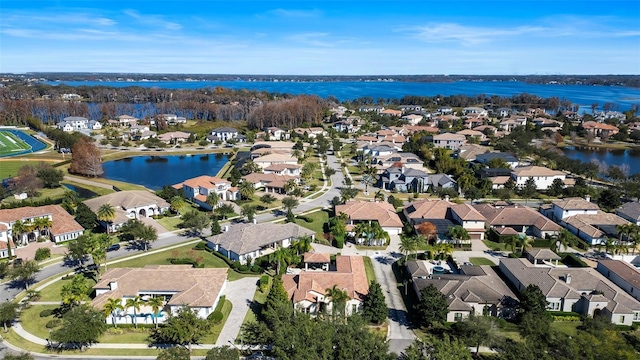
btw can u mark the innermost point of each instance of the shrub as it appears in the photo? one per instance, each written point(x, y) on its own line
point(305, 218)
point(256, 269)
point(43, 253)
point(339, 242)
point(53, 323)
point(200, 246)
point(243, 268)
point(572, 260)
point(264, 283)
point(220, 303)
point(216, 317)
point(46, 312)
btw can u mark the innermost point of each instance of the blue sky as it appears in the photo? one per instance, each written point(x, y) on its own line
point(321, 37)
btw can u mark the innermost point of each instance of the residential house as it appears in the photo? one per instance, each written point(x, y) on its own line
point(510, 123)
point(378, 149)
point(367, 211)
point(73, 123)
point(177, 285)
point(63, 226)
point(408, 108)
point(127, 120)
point(199, 188)
point(311, 132)
point(174, 137)
point(623, 274)
point(470, 151)
point(595, 228)
point(247, 242)
point(581, 290)
point(542, 176)
point(316, 261)
point(375, 109)
point(268, 160)
point(128, 204)
point(508, 158)
point(225, 134)
point(630, 211)
point(391, 112)
point(408, 160)
point(473, 134)
point(474, 111)
point(503, 112)
point(271, 182)
point(413, 119)
point(473, 122)
point(308, 289)
point(283, 169)
point(517, 220)
point(444, 214)
point(477, 290)
point(445, 110)
point(449, 140)
point(563, 208)
point(600, 129)
point(173, 119)
point(441, 181)
point(404, 179)
point(276, 133)
point(343, 126)
point(542, 257)
point(94, 125)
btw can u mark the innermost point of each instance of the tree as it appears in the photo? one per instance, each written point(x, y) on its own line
point(135, 302)
point(156, 303)
point(85, 216)
point(379, 196)
point(477, 330)
point(223, 353)
point(436, 349)
point(27, 180)
point(43, 225)
point(307, 170)
point(246, 189)
point(224, 210)
point(8, 313)
point(564, 239)
point(609, 199)
point(76, 291)
point(177, 202)
point(339, 300)
point(458, 233)
point(329, 172)
point(302, 245)
point(215, 226)
point(81, 326)
point(111, 307)
point(99, 244)
point(408, 244)
point(249, 211)
point(374, 307)
point(278, 257)
point(174, 353)
point(106, 213)
point(290, 202)
point(432, 307)
point(532, 300)
point(267, 199)
point(348, 193)
point(79, 248)
point(50, 176)
point(86, 159)
point(523, 242)
point(213, 200)
point(24, 273)
point(183, 328)
point(529, 189)
point(18, 229)
point(195, 221)
point(556, 188)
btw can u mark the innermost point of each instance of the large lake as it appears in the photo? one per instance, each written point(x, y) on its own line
point(154, 172)
point(583, 95)
point(619, 157)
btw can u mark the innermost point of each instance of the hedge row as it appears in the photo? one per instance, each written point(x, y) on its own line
point(572, 260)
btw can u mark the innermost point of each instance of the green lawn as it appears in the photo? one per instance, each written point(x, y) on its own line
point(33, 323)
point(494, 245)
point(568, 327)
point(368, 268)
point(320, 218)
point(217, 329)
point(170, 223)
point(259, 298)
point(52, 292)
point(481, 261)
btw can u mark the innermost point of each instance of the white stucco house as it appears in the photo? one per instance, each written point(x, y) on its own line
point(73, 123)
point(541, 175)
point(178, 286)
point(130, 204)
point(198, 189)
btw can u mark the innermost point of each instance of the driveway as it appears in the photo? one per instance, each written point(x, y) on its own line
point(29, 252)
point(240, 293)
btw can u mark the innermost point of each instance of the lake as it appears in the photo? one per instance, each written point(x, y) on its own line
point(583, 95)
point(630, 158)
point(154, 172)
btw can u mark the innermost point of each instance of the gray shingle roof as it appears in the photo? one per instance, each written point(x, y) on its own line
point(630, 210)
point(246, 238)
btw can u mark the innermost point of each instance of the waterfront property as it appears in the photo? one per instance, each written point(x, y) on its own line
point(177, 285)
point(308, 288)
point(199, 188)
point(131, 204)
point(581, 290)
point(28, 224)
point(247, 242)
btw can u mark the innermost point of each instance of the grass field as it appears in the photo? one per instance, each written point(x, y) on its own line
point(10, 143)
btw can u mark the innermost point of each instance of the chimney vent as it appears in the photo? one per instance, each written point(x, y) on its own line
point(567, 278)
point(113, 285)
point(588, 198)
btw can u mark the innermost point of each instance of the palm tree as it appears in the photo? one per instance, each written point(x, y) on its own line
point(135, 303)
point(177, 202)
point(302, 245)
point(524, 242)
point(246, 189)
point(29, 228)
point(379, 237)
point(106, 213)
point(156, 303)
point(18, 230)
point(289, 186)
point(563, 240)
point(458, 233)
point(213, 200)
point(278, 257)
point(635, 236)
point(379, 195)
point(339, 299)
point(362, 230)
point(511, 241)
point(42, 223)
point(110, 307)
point(408, 244)
point(289, 202)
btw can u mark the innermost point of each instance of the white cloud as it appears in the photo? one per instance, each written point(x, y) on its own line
point(157, 21)
point(470, 35)
point(295, 13)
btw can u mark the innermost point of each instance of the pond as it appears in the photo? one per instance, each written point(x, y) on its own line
point(627, 158)
point(154, 172)
point(82, 192)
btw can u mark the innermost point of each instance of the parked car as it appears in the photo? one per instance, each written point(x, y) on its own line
point(114, 247)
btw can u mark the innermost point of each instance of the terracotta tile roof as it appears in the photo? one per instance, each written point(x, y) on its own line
point(276, 158)
point(533, 171)
point(280, 167)
point(427, 209)
point(515, 216)
point(449, 137)
point(127, 200)
point(205, 182)
point(270, 180)
point(623, 269)
point(382, 212)
point(350, 276)
point(174, 135)
point(311, 257)
point(467, 212)
point(62, 222)
point(587, 223)
point(246, 238)
point(575, 203)
point(192, 286)
point(410, 129)
point(542, 253)
point(595, 125)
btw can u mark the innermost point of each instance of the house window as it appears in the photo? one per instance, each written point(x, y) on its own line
point(636, 316)
point(554, 306)
point(622, 318)
point(354, 308)
point(457, 317)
